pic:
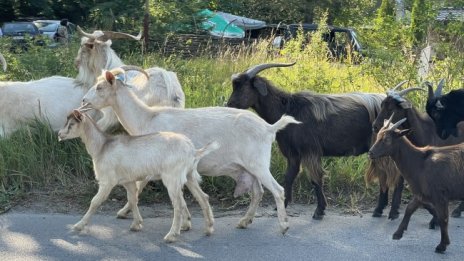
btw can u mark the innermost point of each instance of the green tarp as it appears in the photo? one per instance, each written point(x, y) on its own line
point(218, 26)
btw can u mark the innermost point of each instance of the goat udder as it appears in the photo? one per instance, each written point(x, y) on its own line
point(243, 185)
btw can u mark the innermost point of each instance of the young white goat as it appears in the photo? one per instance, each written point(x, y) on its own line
point(245, 138)
point(95, 54)
point(123, 160)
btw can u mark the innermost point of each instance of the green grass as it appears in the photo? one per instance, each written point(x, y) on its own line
point(33, 158)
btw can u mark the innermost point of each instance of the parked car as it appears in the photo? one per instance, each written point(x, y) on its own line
point(20, 31)
point(50, 27)
point(340, 40)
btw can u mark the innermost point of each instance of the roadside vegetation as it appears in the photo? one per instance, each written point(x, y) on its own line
point(33, 159)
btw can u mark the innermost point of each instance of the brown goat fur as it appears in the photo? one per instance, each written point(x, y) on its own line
point(434, 174)
point(420, 125)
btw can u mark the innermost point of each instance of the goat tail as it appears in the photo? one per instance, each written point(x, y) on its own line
point(208, 148)
point(282, 123)
point(200, 153)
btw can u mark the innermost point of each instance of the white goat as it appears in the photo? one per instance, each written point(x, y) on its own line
point(245, 138)
point(123, 160)
point(95, 54)
point(49, 99)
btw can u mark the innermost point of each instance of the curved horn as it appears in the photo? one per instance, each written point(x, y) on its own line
point(439, 88)
point(135, 68)
point(408, 90)
point(117, 35)
point(2, 59)
point(396, 125)
point(399, 85)
point(430, 90)
point(251, 72)
point(90, 36)
point(387, 123)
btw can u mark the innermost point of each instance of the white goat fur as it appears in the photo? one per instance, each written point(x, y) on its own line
point(123, 160)
point(49, 99)
point(19, 101)
point(245, 138)
point(162, 89)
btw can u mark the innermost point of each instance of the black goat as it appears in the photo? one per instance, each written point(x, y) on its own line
point(332, 125)
point(434, 174)
point(445, 110)
point(420, 125)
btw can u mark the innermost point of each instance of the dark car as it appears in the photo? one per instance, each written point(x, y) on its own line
point(340, 40)
point(20, 32)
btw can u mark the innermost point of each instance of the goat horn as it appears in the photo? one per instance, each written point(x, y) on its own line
point(408, 90)
point(399, 85)
point(439, 88)
point(117, 35)
point(430, 90)
point(135, 68)
point(253, 71)
point(90, 36)
point(2, 59)
point(386, 124)
point(396, 125)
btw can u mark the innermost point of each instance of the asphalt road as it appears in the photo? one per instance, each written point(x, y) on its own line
point(28, 236)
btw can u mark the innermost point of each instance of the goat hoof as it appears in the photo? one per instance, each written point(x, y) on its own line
point(244, 222)
point(397, 236)
point(432, 225)
point(209, 231)
point(186, 226)
point(170, 238)
point(78, 227)
point(136, 227)
point(393, 216)
point(440, 249)
point(456, 213)
point(318, 215)
point(122, 214)
point(284, 228)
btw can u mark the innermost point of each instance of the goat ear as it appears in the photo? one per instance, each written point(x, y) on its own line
point(405, 105)
point(108, 43)
point(109, 77)
point(260, 85)
point(77, 115)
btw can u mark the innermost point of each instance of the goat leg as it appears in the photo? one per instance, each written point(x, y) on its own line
point(396, 200)
point(321, 201)
point(433, 222)
point(382, 202)
point(442, 216)
point(293, 167)
point(410, 209)
point(457, 211)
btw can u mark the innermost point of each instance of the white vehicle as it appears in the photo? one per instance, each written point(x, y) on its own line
point(49, 27)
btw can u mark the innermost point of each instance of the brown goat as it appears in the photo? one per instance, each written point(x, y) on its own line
point(421, 135)
point(435, 174)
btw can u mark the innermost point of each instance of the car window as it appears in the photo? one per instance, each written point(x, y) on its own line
point(46, 27)
point(12, 28)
